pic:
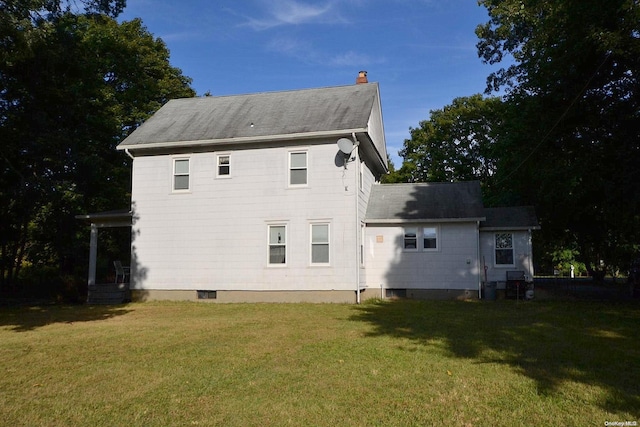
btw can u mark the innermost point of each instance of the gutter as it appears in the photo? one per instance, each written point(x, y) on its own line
point(523, 228)
point(422, 220)
point(239, 140)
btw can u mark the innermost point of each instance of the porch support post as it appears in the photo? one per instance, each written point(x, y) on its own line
point(93, 254)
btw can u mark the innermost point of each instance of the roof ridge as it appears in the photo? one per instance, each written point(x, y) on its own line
point(268, 92)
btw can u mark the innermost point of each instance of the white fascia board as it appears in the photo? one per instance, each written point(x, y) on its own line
point(241, 140)
point(420, 221)
point(378, 156)
point(523, 228)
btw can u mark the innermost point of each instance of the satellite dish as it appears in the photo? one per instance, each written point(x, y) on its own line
point(345, 145)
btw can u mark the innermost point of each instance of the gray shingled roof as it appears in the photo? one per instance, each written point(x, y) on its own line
point(257, 115)
point(513, 218)
point(425, 201)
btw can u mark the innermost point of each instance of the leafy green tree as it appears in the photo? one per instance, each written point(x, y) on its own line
point(571, 142)
point(455, 144)
point(72, 86)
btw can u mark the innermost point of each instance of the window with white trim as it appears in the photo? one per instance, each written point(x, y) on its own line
point(430, 238)
point(223, 166)
point(297, 168)
point(181, 174)
point(319, 243)
point(504, 249)
point(411, 239)
point(277, 244)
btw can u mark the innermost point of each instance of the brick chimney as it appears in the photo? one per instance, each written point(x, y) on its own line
point(362, 78)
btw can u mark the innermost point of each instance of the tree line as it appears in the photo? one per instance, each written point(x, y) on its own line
point(73, 83)
point(563, 137)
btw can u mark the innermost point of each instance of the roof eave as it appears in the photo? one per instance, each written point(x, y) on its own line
point(108, 219)
point(378, 157)
point(511, 228)
point(241, 140)
point(421, 220)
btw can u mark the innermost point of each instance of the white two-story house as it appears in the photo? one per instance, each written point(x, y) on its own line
point(276, 197)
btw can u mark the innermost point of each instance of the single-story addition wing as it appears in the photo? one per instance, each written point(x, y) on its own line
point(423, 239)
point(433, 240)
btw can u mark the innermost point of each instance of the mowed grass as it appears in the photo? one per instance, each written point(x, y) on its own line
point(397, 363)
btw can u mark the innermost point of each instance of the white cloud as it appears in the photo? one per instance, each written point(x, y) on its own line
point(351, 58)
point(290, 46)
point(304, 51)
point(293, 12)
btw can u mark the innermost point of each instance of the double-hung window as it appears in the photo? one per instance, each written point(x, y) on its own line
point(319, 243)
point(277, 244)
point(297, 168)
point(180, 174)
point(504, 249)
point(430, 239)
point(224, 166)
point(411, 239)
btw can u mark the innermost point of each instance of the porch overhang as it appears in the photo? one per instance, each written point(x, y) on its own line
point(118, 218)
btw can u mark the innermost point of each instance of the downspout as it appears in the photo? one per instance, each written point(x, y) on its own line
point(93, 255)
point(478, 260)
point(530, 247)
point(357, 229)
point(131, 261)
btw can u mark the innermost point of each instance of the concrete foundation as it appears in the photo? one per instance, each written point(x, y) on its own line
point(344, 297)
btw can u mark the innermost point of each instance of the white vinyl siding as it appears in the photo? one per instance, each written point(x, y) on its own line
point(320, 244)
point(453, 266)
point(298, 168)
point(217, 238)
point(180, 174)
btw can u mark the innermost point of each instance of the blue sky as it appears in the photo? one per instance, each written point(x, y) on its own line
point(421, 52)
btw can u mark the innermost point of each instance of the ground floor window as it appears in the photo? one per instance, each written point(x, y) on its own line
point(430, 238)
point(319, 243)
point(410, 238)
point(504, 249)
point(277, 244)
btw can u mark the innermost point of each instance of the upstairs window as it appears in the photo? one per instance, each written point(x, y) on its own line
point(504, 249)
point(297, 168)
point(224, 166)
point(180, 174)
point(277, 245)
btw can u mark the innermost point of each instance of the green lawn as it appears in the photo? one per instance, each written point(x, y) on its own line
point(379, 364)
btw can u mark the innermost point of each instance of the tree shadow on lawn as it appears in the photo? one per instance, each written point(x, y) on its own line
point(550, 342)
point(29, 317)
